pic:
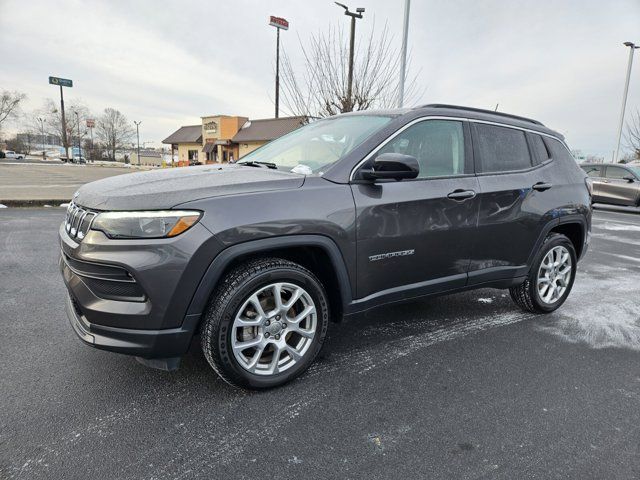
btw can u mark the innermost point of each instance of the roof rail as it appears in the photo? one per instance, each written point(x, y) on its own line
point(481, 110)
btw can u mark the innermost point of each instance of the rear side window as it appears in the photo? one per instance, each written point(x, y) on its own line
point(592, 170)
point(502, 149)
point(617, 173)
point(558, 150)
point(539, 149)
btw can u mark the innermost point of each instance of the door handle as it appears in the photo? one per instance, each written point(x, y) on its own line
point(542, 186)
point(461, 194)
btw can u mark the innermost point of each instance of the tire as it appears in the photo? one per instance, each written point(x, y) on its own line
point(529, 295)
point(276, 332)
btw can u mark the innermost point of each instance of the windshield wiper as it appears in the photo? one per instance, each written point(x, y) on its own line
point(259, 164)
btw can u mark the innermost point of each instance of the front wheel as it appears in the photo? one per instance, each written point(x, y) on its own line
point(551, 277)
point(265, 324)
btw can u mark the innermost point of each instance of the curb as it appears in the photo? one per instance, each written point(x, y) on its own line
point(33, 203)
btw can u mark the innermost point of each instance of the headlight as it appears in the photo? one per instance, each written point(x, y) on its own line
point(153, 224)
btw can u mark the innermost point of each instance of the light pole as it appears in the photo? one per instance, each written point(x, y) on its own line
point(138, 137)
point(403, 58)
point(632, 47)
point(358, 14)
point(79, 138)
point(280, 24)
point(42, 120)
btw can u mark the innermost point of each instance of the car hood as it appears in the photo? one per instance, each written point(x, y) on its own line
point(166, 188)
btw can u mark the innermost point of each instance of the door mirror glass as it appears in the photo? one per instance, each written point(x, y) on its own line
point(394, 166)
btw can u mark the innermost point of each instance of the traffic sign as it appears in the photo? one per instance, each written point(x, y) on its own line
point(91, 123)
point(63, 82)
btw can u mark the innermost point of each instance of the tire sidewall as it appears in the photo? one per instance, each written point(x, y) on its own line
point(551, 242)
point(222, 337)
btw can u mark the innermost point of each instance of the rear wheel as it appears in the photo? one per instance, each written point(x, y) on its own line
point(266, 323)
point(551, 277)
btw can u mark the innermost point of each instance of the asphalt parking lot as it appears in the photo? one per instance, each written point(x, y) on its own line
point(464, 387)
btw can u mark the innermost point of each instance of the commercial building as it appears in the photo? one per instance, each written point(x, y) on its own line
point(223, 138)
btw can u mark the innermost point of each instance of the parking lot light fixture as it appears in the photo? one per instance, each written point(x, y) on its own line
point(138, 137)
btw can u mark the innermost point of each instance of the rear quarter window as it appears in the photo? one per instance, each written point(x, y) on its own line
point(539, 149)
point(558, 151)
point(502, 149)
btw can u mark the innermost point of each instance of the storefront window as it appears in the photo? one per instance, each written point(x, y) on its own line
point(193, 154)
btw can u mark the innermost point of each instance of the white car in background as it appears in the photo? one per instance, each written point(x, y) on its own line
point(13, 155)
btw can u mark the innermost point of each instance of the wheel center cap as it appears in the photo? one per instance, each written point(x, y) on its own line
point(274, 328)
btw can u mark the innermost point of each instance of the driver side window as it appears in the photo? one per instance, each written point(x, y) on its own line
point(438, 145)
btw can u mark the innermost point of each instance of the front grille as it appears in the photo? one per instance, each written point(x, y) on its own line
point(78, 221)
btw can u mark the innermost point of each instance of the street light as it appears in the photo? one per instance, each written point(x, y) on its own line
point(358, 14)
point(138, 137)
point(632, 47)
point(79, 138)
point(42, 120)
point(403, 58)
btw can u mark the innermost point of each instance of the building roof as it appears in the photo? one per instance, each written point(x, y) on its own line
point(267, 129)
point(186, 134)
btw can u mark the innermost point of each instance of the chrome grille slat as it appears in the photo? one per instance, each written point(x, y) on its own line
point(78, 221)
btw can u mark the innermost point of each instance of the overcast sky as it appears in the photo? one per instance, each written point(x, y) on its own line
point(168, 63)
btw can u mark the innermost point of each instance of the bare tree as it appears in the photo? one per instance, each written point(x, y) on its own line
point(10, 104)
point(53, 121)
point(321, 89)
point(632, 134)
point(114, 131)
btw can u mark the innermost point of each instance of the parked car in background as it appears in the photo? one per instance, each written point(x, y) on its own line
point(13, 155)
point(614, 183)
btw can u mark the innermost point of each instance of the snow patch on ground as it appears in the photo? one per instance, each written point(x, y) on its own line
point(602, 311)
point(620, 227)
point(485, 300)
point(2, 206)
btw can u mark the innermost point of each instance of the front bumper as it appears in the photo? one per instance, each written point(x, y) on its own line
point(166, 343)
point(149, 321)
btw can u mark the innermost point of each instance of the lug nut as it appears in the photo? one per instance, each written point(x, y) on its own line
point(267, 323)
point(284, 325)
point(277, 317)
point(277, 337)
point(266, 334)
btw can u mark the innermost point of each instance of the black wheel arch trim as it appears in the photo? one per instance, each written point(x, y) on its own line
point(562, 220)
point(219, 264)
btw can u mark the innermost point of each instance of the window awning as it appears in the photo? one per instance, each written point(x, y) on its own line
point(209, 147)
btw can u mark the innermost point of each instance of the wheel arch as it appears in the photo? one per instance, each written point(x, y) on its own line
point(574, 227)
point(318, 253)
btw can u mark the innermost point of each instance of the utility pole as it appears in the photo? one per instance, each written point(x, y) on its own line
point(403, 58)
point(280, 24)
point(79, 138)
point(62, 82)
point(632, 47)
point(138, 136)
point(358, 14)
point(42, 120)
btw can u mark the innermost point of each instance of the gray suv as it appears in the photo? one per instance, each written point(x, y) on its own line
point(337, 217)
point(614, 183)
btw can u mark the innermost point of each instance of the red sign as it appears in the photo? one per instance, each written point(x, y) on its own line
point(278, 22)
point(91, 123)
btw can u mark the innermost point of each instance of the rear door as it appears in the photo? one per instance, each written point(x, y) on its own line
point(516, 185)
point(616, 189)
point(415, 236)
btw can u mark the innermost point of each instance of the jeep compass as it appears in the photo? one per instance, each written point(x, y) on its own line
point(339, 216)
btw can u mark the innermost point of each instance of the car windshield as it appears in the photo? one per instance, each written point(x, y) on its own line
point(312, 148)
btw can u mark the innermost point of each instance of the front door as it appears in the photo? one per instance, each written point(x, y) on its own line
point(616, 189)
point(415, 236)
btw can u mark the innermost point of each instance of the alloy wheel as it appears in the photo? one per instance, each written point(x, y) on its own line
point(274, 328)
point(554, 274)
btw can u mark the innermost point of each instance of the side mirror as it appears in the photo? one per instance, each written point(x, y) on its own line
point(394, 166)
point(629, 178)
